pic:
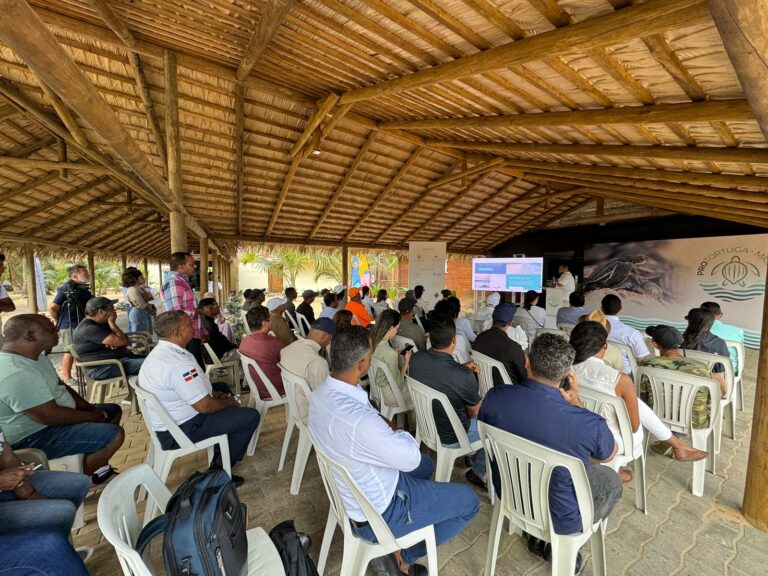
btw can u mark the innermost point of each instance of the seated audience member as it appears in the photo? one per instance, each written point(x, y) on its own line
point(208, 309)
point(590, 340)
point(200, 409)
point(138, 306)
point(409, 329)
point(343, 319)
point(276, 307)
point(381, 338)
point(420, 311)
point(331, 305)
point(253, 297)
point(612, 356)
point(483, 315)
point(570, 428)
point(98, 337)
point(726, 332)
point(668, 341)
point(621, 333)
point(697, 336)
point(290, 296)
point(264, 348)
point(386, 464)
point(341, 294)
point(38, 411)
point(445, 293)
point(381, 303)
point(495, 343)
point(437, 369)
point(571, 314)
point(323, 292)
point(355, 306)
point(247, 300)
point(366, 300)
point(40, 552)
point(305, 308)
point(530, 316)
point(463, 325)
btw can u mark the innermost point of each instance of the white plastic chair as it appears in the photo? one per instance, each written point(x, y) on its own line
point(424, 398)
point(263, 406)
point(401, 342)
point(358, 552)
point(727, 407)
point(294, 325)
point(293, 384)
point(738, 395)
point(529, 325)
point(600, 403)
point(626, 352)
point(119, 523)
point(161, 460)
point(462, 353)
point(487, 364)
point(389, 412)
point(525, 470)
point(303, 324)
point(229, 370)
point(673, 396)
point(567, 328)
point(418, 321)
point(97, 389)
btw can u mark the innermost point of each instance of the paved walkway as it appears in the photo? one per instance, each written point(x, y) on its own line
point(680, 535)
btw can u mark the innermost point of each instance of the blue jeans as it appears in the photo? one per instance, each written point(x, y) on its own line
point(478, 458)
point(39, 553)
point(131, 366)
point(84, 438)
point(420, 502)
point(64, 492)
point(139, 320)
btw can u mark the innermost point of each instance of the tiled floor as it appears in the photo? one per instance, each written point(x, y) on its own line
point(680, 535)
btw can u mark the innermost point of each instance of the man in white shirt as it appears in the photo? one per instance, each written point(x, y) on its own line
point(566, 281)
point(200, 409)
point(6, 304)
point(367, 301)
point(621, 333)
point(386, 464)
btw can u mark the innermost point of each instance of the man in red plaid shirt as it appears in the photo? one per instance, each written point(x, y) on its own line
point(178, 295)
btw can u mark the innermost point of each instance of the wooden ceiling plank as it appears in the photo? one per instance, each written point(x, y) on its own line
point(27, 186)
point(51, 165)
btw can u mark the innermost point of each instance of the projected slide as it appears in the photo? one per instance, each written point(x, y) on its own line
point(507, 274)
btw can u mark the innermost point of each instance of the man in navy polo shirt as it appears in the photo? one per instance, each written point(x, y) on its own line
point(539, 410)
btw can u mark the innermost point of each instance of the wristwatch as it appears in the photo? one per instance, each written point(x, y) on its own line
point(237, 399)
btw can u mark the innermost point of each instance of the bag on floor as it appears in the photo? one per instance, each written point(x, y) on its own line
point(293, 548)
point(203, 528)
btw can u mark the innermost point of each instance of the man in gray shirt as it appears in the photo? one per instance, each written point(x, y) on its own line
point(408, 328)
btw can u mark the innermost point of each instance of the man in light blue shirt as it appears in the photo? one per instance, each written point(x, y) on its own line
point(331, 302)
point(385, 463)
point(726, 332)
point(571, 314)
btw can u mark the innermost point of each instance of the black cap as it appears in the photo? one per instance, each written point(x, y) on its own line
point(665, 336)
point(406, 305)
point(98, 303)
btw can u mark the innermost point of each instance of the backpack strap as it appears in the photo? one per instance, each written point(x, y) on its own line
point(153, 528)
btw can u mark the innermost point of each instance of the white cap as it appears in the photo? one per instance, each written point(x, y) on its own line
point(274, 303)
point(339, 289)
point(493, 299)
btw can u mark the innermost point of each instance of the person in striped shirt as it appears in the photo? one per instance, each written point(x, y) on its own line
point(178, 295)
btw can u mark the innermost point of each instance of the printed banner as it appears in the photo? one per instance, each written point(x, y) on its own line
point(361, 275)
point(659, 281)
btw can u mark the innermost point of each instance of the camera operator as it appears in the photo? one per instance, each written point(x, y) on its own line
point(68, 310)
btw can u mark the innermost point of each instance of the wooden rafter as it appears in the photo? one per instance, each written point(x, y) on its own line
point(51, 165)
point(239, 151)
point(524, 219)
point(457, 200)
point(104, 10)
point(283, 193)
point(323, 107)
point(33, 147)
point(27, 186)
point(273, 14)
point(67, 118)
point(143, 88)
point(385, 192)
point(478, 169)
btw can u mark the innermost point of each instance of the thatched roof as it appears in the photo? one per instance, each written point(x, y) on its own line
point(469, 121)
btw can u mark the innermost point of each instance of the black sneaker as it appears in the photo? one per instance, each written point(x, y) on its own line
point(100, 479)
point(389, 562)
point(237, 480)
point(475, 480)
point(548, 557)
point(537, 546)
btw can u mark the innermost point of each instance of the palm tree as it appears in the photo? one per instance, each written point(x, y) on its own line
point(283, 261)
point(327, 265)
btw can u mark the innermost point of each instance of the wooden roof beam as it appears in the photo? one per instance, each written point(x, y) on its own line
point(736, 110)
point(457, 199)
point(27, 186)
point(51, 165)
point(696, 153)
point(29, 149)
point(323, 107)
point(6, 111)
point(273, 14)
point(64, 114)
point(239, 159)
point(26, 34)
point(103, 9)
point(476, 170)
point(385, 193)
point(143, 88)
point(283, 193)
point(652, 17)
point(544, 218)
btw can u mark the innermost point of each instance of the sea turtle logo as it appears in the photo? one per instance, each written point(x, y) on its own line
point(735, 271)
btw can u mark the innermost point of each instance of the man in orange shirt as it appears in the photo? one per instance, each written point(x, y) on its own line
point(356, 306)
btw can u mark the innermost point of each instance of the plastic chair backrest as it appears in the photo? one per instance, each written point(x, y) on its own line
point(424, 399)
point(739, 347)
point(291, 320)
point(303, 323)
point(150, 405)
point(379, 366)
point(215, 361)
point(418, 321)
point(567, 328)
point(250, 362)
point(601, 403)
point(710, 360)
point(295, 386)
point(525, 471)
point(333, 474)
point(117, 516)
point(462, 353)
point(626, 352)
point(487, 365)
point(674, 393)
point(401, 342)
point(529, 325)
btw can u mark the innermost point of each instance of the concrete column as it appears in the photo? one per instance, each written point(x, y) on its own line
point(203, 265)
point(178, 231)
point(30, 280)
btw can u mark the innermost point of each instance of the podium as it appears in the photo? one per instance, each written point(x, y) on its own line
point(555, 299)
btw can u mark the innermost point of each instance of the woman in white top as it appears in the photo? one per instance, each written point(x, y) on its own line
point(140, 315)
point(530, 316)
point(589, 339)
point(463, 325)
point(381, 337)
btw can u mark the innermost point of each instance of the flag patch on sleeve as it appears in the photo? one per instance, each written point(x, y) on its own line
point(190, 375)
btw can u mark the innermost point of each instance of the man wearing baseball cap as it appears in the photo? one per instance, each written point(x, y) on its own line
point(98, 337)
point(407, 327)
point(355, 305)
point(495, 343)
point(280, 326)
point(305, 308)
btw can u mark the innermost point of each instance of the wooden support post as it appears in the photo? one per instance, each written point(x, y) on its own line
point(61, 149)
point(203, 265)
point(92, 270)
point(225, 270)
point(215, 267)
point(160, 272)
point(239, 151)
point(123, 262)
point(345, 266)
point(743, 26)
point(30, 280)
point(145, 269)
point(178, 232)
point(234, 275)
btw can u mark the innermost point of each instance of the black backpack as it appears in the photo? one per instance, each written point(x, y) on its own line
point(203, 528)
point(293, 548)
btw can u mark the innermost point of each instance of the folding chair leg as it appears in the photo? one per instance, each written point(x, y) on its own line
point(302, 455)
point(325, 547)
point(497, 526)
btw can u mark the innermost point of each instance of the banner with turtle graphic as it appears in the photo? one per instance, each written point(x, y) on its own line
point(660, 280)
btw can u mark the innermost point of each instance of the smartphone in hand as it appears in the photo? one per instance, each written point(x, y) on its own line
point(408, 348)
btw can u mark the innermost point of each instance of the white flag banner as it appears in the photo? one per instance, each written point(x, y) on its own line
point(42, 297)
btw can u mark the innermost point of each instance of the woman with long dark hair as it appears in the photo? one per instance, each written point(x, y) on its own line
point(140, 314)
point(697, 336)
point(381, 337)
point(530, 316)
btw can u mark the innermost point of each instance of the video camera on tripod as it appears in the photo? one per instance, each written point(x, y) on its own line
point(73, 303)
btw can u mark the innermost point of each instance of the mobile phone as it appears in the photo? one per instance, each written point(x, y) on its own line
point(34, 466)
point(408, 348)
point(565, 383)
point(37, 467)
